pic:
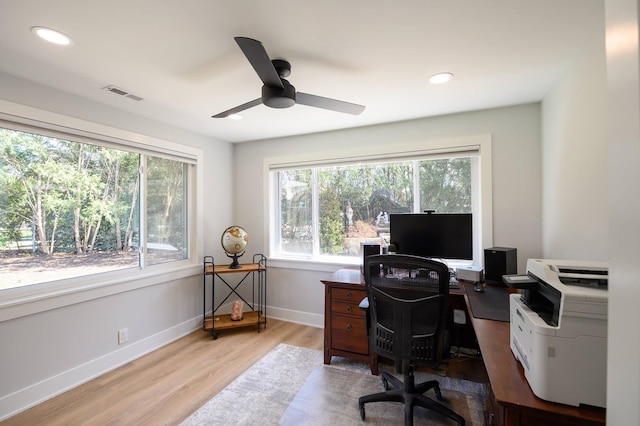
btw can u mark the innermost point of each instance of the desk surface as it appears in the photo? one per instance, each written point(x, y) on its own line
point(346, 276)
point(349, 276)
point(506, 375)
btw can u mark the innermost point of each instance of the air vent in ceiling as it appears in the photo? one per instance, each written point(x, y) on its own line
point(121, 92)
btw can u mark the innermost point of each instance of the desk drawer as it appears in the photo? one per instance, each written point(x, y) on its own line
point(354, 296)
point(346, 308)
point(349, 334)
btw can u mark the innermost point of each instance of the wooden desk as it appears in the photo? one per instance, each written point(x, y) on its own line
point(510, 400)
point(345, 331)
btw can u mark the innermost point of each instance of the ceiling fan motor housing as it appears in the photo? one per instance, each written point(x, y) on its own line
point(276, 91)
point(276, 97)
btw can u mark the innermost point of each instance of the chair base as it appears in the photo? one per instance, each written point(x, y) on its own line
point(411, 395)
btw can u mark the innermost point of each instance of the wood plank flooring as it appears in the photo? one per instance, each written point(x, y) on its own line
point(167, 385)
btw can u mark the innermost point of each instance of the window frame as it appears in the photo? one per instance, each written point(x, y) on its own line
point(20, 301)
point(478, 145)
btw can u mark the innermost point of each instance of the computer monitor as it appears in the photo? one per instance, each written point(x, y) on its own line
point(440, 236)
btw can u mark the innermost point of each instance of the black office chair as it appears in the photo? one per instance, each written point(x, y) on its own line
point(408, 298)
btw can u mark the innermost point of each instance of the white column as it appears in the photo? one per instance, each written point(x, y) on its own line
point(623, 371)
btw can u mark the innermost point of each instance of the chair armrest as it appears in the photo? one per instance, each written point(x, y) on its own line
point(364, 304)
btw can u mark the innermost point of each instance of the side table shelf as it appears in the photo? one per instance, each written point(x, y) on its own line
point(256, 302)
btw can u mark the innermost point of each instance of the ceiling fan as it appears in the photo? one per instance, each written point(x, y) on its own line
point(278, 92)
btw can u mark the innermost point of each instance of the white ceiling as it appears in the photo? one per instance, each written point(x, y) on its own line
point(180, 56)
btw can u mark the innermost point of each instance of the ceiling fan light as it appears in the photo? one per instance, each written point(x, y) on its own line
point(52, 36)
point(440, 78)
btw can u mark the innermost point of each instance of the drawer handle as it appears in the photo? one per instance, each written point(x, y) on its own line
point(349, 295)
point(349, 309)
point(349, 327)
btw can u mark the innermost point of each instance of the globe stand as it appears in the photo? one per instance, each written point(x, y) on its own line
point(234, 264)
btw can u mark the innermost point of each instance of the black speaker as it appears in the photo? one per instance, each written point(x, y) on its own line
point(499, 261)
point(368, 249)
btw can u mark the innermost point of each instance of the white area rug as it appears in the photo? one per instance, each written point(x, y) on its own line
point(264, 393)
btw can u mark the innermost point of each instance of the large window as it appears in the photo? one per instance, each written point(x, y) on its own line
point(72, 208)
point(325, 212)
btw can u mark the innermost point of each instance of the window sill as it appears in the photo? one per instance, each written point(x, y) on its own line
point(29, 300)
point(331, 265)
point(319, 265)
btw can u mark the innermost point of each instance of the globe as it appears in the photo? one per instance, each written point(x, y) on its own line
point(234, 240)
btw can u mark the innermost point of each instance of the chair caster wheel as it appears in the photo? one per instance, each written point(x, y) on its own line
point(362, 412)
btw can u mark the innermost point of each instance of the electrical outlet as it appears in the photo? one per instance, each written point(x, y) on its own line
point(123, 335)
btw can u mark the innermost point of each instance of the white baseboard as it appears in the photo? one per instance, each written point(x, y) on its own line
point(37, 393)
point(299, 317)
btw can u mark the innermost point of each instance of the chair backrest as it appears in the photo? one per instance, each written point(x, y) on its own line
point(408, 297)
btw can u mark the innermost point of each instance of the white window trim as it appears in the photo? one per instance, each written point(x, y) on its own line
point(27, 300)
point(479, 144)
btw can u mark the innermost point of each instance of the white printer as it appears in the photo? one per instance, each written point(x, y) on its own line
point(558, 329)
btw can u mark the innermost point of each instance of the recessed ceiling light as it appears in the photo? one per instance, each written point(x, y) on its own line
point(235, 116)
point(52, 36)
point(440, 78)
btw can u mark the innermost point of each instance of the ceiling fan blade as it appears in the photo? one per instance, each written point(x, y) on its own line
point(259, 60)
point(238, 108)
point(327, 103)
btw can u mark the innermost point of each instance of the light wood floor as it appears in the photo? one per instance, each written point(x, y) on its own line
point(166, 386)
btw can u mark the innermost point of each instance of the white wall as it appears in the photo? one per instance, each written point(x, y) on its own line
point(623, 70)
point(296, 294)
point(69, 339)
point(574, 157)
point(591, 160)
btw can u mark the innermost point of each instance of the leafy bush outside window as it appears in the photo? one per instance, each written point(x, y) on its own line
point(331, 210)
point(71, 208)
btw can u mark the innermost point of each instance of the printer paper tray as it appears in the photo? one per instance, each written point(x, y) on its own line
point(520, 281)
